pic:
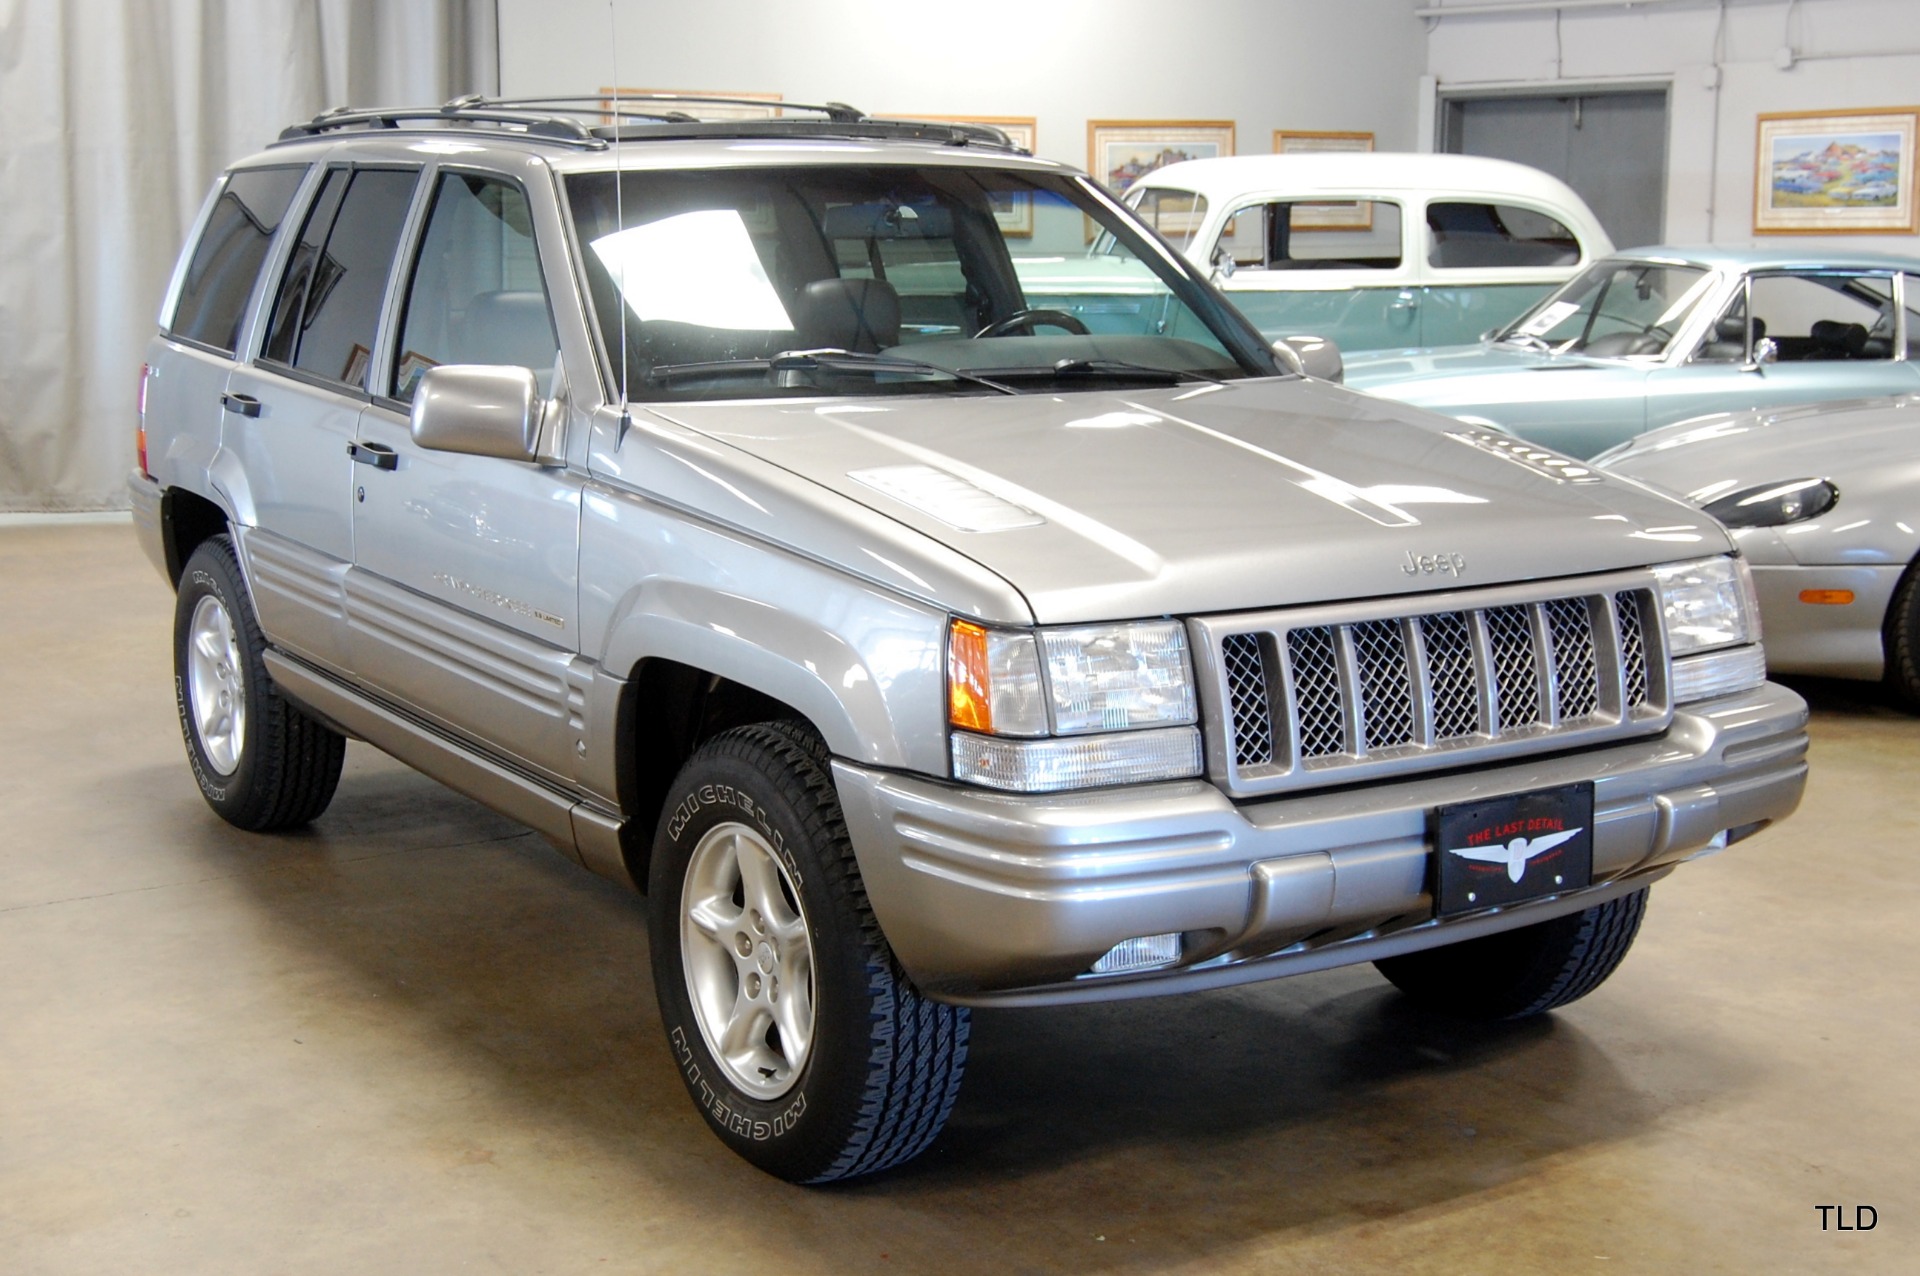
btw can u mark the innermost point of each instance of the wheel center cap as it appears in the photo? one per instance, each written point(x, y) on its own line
point(763, 958)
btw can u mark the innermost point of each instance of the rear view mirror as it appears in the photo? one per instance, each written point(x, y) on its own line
point(483, 410)
point(1311, 357)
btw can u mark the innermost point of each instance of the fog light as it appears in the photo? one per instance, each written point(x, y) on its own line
point(1139, 954)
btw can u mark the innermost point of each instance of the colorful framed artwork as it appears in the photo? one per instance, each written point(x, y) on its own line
point(1121, 152)
point(750, 108)
point(1336, 215)
point(1835, 172)
point(1014, 213)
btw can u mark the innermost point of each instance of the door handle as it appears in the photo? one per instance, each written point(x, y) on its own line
point(378, 455)
point(244, 404)
point(1405, 301)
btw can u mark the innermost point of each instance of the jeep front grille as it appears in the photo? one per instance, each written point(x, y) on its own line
point(1326, 695)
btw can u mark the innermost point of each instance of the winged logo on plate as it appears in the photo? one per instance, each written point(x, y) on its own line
point(1516, 853)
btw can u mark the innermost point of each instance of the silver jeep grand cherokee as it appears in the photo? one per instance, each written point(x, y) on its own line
point(729, 501)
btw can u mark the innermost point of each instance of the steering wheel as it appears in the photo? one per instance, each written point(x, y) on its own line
point(1029, 319)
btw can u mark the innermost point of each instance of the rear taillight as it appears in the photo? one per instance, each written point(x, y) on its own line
point(140, 433)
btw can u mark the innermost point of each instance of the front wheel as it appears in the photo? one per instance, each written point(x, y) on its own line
point(1523, 972)
point(260, 762)
point(1901, 636)
point(804, 1045)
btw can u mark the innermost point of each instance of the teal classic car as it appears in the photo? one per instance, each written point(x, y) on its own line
point(1373, 250)
point(1658, 335)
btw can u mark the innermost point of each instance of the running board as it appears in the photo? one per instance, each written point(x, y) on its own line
point(584, 833)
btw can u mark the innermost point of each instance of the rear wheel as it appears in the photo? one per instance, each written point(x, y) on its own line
point(260, 762)
point(1523, 972)
point(802, 1042)
point(1901, 636)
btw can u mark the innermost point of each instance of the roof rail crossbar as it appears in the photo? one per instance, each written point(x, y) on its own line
point(597, 120)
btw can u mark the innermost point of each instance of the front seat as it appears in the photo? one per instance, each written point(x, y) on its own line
point(862, 315)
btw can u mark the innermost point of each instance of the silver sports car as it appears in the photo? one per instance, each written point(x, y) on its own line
point(1824, 501)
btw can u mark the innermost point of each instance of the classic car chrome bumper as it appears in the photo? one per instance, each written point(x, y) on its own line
point(989, 898)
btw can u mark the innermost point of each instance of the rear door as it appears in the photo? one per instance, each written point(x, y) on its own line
point(464, 593)
point(293, 411)
point(1485, 262)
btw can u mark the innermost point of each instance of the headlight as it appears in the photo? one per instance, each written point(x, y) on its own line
point(1774, 504)
point(1122, 695)
point(1708, 603)
point(1713, 627)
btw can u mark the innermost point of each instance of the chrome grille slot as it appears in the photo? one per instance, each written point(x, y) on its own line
point(1317, 696)
point(1575, 665)
point(1516, 666)
point(1386, 684)
point(1450, 670)
point(1633, 647)
point(1252, 707)
point(1319, 702)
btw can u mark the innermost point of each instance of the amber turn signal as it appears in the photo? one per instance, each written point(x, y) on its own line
point(1827, 597)
point(968, 702)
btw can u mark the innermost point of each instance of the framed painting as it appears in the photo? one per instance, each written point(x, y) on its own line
point(752, 106)
point(1013, 212)
point(1121, 152)
point(1835, 172)
point(1338, 214)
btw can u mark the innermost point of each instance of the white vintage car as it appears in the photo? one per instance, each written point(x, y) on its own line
point(1376, 250)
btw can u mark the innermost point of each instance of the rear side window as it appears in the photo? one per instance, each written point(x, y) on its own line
point(476, 295)
point(329, 302)
point(227, 260)
point(1489, 236)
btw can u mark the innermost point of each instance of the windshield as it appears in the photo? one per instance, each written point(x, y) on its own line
point(1620, 309)
point(918, 280)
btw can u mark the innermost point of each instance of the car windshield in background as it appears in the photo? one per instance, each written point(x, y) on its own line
point(919, 280)
point(1616, 309)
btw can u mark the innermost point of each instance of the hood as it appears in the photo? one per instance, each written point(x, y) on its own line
point(1484, 373)
point(1846, 442)
point(1108, 505)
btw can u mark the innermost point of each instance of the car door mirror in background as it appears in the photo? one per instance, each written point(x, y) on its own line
point(1765, 351)
point(1311, 357)
point(483, 410)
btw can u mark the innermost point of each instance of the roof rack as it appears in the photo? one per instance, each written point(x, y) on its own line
point(595, 121)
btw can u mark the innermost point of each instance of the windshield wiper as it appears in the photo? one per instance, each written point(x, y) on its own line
point(807, 360)
point(1114, 369)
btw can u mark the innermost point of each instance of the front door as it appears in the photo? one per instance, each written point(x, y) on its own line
point(1328, 267)
point(1836, 334)
point(464, 594)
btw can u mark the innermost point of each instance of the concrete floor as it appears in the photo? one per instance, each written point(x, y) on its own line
point(414, 1040)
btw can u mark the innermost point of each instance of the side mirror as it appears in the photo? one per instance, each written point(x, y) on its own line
point(1223, 263)
point(1314, 357)
point(1764, 352)
point(484, 410)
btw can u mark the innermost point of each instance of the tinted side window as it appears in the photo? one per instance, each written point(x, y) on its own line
point(1479, 236)
point(226, 261)
point(329, 303)
point(476, 295)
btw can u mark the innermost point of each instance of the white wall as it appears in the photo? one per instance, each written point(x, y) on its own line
point(1848, 54)
point(1265, 64)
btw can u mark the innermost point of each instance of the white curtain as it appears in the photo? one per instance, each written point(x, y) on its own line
point(115, 116)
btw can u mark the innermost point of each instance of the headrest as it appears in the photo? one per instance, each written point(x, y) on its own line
point(849, 314)
point(1844, 338)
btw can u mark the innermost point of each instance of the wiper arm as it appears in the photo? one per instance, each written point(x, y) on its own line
point(1525, 340)
point(1115, 368)
point(805, 360)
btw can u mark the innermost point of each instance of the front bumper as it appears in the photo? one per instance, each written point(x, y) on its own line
point(990, 898)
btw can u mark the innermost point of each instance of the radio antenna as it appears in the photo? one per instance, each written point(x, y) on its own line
point(619, 210)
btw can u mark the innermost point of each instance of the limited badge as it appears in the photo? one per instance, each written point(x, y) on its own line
point(1508, 850)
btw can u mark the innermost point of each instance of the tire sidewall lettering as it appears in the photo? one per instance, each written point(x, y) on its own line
point(717, 1100)
point(710, 796)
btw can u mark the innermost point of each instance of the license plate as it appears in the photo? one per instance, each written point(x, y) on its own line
point(1511, 849)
